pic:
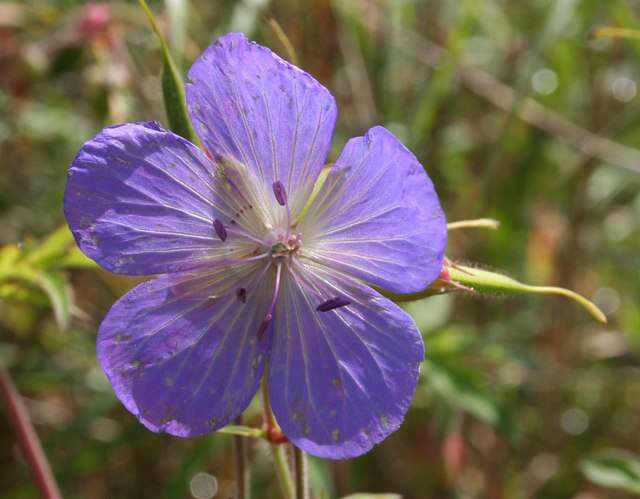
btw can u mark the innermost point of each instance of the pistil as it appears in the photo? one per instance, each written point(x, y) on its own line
point(274, 299)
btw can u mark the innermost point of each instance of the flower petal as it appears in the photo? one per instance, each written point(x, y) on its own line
point(141, 200)
point(340, 381)
point(378, 216)
point(182, 351)
point(247, 103)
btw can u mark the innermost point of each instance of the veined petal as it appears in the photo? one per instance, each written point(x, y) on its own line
point(182, 351)
point(141, 200)
point(248, 104)
point(378, 216)
point(340, 381)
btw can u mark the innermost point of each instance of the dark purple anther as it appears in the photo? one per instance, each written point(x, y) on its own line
point(280, 193)
point(336, 302)
point(242, 295)
point(220, 230)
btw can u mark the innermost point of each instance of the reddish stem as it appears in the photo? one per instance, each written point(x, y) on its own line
point(28, 438)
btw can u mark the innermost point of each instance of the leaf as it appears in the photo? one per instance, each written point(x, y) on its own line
point(75, 259)
point(52, 248)
point(614, 468)
point(52, 284)
point(9, 255)
point(57, 290)
point(175, 102)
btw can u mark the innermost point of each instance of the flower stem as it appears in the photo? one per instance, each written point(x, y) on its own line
point(282, 470)
point(242, 470)
point(302, 473)
point(28, 438)
point(279, 455)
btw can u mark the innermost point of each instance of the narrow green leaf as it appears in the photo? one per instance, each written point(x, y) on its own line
point(614, 468)
point(284, 40)
point(172, 85)
point(56, 288)
point(484, 281)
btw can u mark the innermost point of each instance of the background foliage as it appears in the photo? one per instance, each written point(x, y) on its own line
point(519, 398)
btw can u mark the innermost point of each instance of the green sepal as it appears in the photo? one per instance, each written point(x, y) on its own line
point(474, 280)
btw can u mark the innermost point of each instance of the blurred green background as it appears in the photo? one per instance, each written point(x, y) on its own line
point(517, 111)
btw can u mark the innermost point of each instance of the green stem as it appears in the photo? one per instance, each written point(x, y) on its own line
point(278, 450)
point(302, 473)
point(242, 470)
point(282, 470)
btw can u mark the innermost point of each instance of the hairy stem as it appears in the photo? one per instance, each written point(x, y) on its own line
point(302, 473)
point(279, 455)
point(242, 470)
point(28, 438)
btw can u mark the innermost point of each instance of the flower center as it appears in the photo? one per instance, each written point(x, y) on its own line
point(286, 246)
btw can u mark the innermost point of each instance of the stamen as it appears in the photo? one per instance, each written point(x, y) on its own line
point(242, 295)
point(220, 230)
point(336, 302)
point(281, 196)
point(269, 317)
point(280, 193)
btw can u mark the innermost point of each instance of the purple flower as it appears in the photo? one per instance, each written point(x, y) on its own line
point(260, 261)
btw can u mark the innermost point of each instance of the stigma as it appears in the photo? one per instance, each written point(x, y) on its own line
point(286, 246)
